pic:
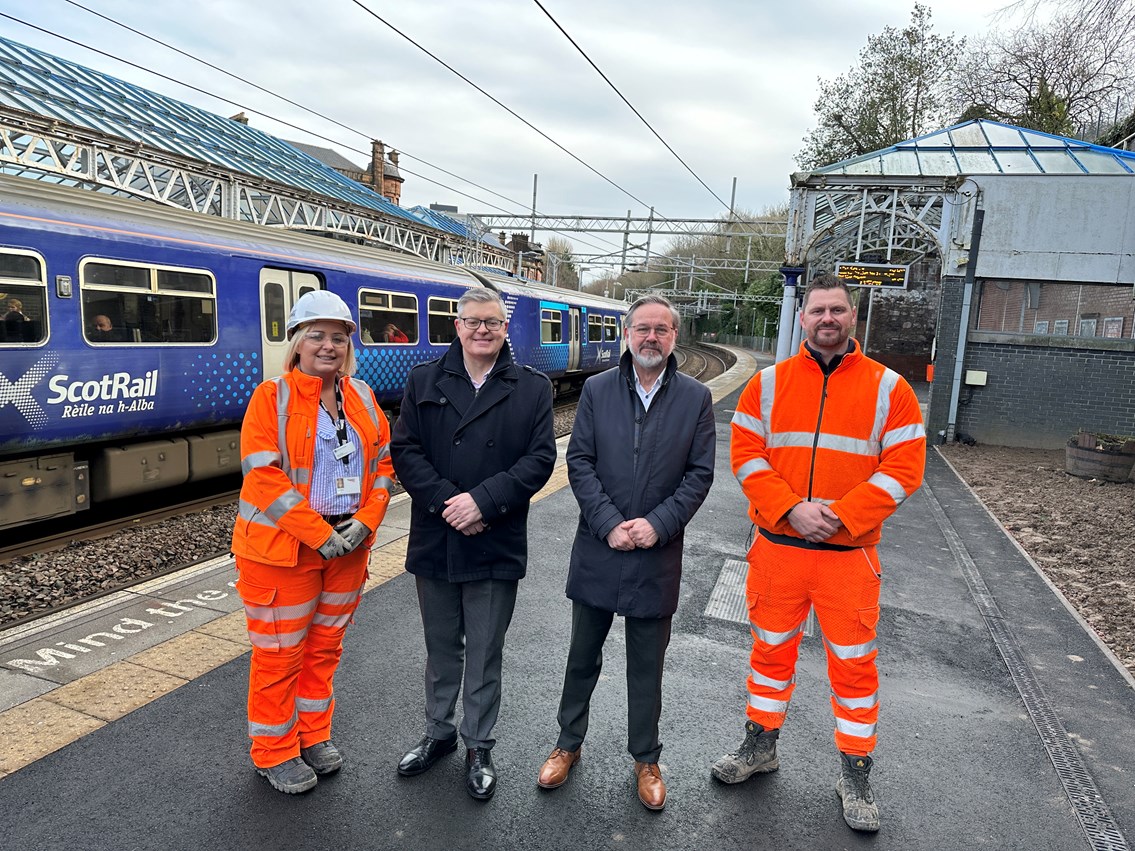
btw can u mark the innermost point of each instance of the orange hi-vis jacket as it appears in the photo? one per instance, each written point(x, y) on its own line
point(277, 447)
point(853, 440)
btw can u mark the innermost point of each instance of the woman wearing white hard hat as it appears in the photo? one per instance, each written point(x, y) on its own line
point(317, 477)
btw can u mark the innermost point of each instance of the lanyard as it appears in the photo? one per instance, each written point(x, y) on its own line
point(340, 422)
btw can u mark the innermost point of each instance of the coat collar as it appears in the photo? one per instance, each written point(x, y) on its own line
point(456, 387)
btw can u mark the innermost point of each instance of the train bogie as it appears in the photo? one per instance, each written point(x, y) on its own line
point(134, 335)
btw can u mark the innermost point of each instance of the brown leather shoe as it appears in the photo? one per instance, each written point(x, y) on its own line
point(555, 769)
point(651, 788)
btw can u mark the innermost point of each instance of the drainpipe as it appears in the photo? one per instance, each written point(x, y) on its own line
point(963, 327)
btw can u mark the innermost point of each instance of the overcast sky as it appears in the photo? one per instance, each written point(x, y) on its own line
point(729, 84)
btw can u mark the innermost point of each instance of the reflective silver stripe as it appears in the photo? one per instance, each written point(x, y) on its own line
point(766, 704)
point(768, 396)
point(339, 598)
point(300, 475)
point(252, 460)
point(857, 702)
point(272, 614)
point(749, 467)
point(747, 422)
point(782, 439)
point(274, 642)
point(384, 452)
point(248, 511)
point(836, 442)
point(384, 482)
point(901, 435)
point(775, 639)
point(372, 467)
point(762, 680)
point(883, 402)
point(255, 729)
point(363, 390)
point(312, 704)
point(284, 503)
point(850, 651)
point(850, 728)
point(283, 392)
point(890, 485)
point(333, 621)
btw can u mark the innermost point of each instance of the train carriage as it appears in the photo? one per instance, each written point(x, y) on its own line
point(134, 335)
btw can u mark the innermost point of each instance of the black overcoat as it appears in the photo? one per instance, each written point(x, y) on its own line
point(623, 463)
point(498, 445)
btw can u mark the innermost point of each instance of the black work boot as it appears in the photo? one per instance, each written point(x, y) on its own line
point(859, 808)
point(757, 755)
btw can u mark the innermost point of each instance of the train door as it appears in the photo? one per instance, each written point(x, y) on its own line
point(573, 339)
point(279, 289)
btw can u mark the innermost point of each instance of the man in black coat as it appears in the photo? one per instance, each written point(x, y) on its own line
point(640, 462)
point(472, 445)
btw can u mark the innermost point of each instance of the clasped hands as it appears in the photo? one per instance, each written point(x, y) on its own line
point(814, 521)
point(631, 534)
point(345, 538)
point(461, 512)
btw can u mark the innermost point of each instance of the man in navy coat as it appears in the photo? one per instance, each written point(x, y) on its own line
point(640, 462)
point(472, 445)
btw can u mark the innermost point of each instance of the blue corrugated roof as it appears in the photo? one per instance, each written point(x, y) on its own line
point(988, 147)
point(442, 221)
point(38, 82)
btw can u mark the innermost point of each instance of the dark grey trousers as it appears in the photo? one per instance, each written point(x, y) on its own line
point(464, 625)
point(647, 640)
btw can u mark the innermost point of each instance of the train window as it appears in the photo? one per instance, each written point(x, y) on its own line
point(23, 298)
point(275, 312)
point(138, 303)
point(610, 329)
point(442, 317)
point(594, 328)
point(388, 318)
point(551, 326)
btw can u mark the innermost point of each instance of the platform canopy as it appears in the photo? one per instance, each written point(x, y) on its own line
point(893, 206)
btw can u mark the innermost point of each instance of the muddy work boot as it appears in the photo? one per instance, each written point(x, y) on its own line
point(859, 808)
point(757, 755)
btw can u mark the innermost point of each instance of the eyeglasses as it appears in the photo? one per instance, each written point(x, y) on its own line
point(319, 338)
point(473, 324)
point(659, 330)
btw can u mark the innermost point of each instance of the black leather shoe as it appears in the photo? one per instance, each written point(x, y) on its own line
point(481, 781)
point(425, 754)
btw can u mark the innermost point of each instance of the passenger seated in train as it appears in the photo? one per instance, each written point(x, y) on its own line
point(392, 334)
point(103, 331)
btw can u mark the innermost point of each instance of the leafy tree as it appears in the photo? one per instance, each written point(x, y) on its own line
point(560, 267)
point(900, 89)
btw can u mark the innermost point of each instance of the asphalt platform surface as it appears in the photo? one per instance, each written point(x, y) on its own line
point(1004, 723)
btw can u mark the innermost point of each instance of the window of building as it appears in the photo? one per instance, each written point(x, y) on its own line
point(140, 303)
point(23, 298)
point(594, 328)
point(441, 317)
point(388, 318)
point(1056, 308)
point(551, 326)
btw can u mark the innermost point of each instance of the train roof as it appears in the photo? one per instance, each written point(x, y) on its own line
point(516, 286)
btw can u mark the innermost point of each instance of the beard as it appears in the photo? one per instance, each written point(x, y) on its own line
point(648, 358)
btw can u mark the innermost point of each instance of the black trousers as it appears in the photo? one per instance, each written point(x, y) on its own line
point(647, 639)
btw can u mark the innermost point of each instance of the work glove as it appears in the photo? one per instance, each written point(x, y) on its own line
point(354, 532)
point(334, 547)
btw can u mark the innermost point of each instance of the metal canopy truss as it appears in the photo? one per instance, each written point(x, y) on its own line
point(665, 263)
point(41, 148)
point(843, 218)
point(700, 301)
point(769, 227)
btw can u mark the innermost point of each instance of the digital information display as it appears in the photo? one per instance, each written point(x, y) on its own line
point(873, 274)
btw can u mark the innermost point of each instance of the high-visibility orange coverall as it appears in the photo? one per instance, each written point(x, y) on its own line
point(298, 605)
point(853, 440)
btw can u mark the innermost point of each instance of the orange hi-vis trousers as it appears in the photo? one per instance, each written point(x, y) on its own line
point(843, 588)
point(296, 620)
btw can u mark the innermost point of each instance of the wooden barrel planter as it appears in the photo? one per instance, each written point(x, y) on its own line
point(1084, 458)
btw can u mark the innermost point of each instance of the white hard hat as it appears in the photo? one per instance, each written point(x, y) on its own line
point(319, 304)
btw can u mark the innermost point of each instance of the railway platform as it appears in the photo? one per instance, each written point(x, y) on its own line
point(1005, 724)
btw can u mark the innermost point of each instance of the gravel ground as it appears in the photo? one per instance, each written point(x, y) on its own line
point(1078, 531)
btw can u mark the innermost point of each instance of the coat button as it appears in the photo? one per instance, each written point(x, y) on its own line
point(442, 400)
point(457, 441)
point(491, 443)
point(638, 419)
point(503, 509)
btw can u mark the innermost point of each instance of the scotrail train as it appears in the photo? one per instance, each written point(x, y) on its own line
point(133, 336)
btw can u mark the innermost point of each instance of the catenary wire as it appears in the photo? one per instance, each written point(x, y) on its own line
point(628, 103)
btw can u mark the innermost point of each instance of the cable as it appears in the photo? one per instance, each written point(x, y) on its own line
point(507, 109)
point(629, 104)
point(274, 118)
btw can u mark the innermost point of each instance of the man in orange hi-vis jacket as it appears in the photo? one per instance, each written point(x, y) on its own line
point(826, 445)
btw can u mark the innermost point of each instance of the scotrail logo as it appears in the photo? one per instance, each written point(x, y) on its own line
point(18, 394)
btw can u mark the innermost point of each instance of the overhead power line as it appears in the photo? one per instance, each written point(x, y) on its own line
point(629, 104)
